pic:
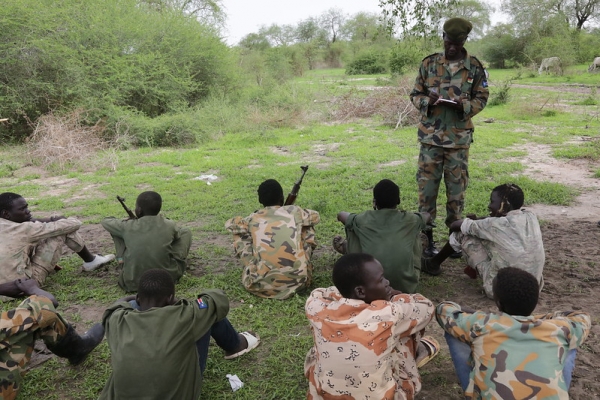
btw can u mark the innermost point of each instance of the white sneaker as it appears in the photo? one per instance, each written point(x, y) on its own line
point(97, 262)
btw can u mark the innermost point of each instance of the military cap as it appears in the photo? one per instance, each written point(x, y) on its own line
point(457, 29)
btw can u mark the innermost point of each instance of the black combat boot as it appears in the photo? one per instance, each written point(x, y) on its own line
point(430, 250)
point(76, 348)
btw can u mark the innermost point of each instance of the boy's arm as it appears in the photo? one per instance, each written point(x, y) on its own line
point(212, 306)
point(242, 239)
point(35, 231)
point(114, 226)
point(414, 312)
point(457, 321)
point(343, 216)
point(580, 324)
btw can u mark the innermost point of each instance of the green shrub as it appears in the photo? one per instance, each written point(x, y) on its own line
point(404, 57)
point(64, 55)
point(368, 63)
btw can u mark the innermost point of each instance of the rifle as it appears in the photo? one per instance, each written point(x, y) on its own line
point(129, 212)
point(291, 198)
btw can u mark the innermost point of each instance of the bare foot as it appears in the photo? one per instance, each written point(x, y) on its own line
point(30, 287)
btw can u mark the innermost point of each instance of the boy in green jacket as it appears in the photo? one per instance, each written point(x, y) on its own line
point(150, 241)
point(159, 345)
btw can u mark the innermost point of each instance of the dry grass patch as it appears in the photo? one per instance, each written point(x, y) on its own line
point(64, 141)
point(391, 104)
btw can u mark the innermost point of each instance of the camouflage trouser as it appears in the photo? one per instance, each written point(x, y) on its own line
point(35, 318)
point(453, 165)
point(48, 252)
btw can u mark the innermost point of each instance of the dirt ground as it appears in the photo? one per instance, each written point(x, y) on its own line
point(572, 274)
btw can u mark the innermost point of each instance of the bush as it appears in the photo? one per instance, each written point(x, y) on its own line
point(369, 63)
point(94, 54)
point(404, 57)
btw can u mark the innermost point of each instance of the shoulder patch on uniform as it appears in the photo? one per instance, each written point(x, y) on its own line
point(201, 303)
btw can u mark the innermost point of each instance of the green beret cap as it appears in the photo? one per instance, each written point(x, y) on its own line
point(457, 29)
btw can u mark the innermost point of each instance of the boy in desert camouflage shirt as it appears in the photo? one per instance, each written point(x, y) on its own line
point(275, 245)
point(367, 336)
point(513, 354)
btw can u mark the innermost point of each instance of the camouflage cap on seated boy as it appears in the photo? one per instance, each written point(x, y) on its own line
point(457, 29)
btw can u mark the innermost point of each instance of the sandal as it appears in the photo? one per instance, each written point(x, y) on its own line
point(340, 244)
point(433, 349)
point(253, 340)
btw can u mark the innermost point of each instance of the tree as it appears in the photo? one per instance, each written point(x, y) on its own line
point(530, 14)
point(210, 12)
point(255, 41)
point(473, 10)
point(279, 35)
point(309, 30)
point(362, 26)
point(332, 21)
point(413, 17)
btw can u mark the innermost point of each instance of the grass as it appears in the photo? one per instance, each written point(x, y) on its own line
point(345, 161)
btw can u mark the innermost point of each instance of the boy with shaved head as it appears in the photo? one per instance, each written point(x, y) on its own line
point(367, 336)
point(150, 241)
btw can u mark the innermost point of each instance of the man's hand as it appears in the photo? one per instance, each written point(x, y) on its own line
point(449, 103)
point(54, 218)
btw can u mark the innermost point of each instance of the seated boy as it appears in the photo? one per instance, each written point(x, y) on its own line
point(35, 318)
point(510, 236)
point(390, 235)
point(150, 241)
point(159, 351)
point(513, 354)
point(275, 245)
point(367, 336)
point(31, 247)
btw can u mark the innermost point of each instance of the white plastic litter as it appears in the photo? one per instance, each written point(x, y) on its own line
point(207, 178)
point(235, 382)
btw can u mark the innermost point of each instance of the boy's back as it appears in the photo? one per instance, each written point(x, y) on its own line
point(363, 349)
point(516, 356)
point(153, 352)
point(150, 242)
point(392, 237)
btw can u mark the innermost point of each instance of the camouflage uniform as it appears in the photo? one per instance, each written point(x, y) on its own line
point(35, 318)
point(364, 351)
point(515, 357)
point(32, 249)
point(275, 245)
point(444, 133)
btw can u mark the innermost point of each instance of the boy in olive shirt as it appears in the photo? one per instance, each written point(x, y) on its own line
point(159, 345)
point(390, 235)
point(150, 241)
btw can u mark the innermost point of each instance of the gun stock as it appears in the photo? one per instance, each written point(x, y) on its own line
point(127, 210)
point(291, 198)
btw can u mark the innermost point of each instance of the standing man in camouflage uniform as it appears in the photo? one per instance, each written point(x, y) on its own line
point(450, 89)
point(275, 245)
